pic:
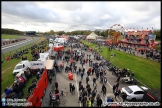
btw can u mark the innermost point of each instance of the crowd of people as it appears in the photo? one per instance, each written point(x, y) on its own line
point(16, 90)
point(74, 54)
point(149, 53)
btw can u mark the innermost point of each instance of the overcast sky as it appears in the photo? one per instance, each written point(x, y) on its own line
point(69, 16)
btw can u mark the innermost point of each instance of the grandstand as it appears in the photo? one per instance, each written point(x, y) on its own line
point(31, 33)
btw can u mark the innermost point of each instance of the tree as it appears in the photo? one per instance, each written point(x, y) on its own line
point(158, 34)
point(52, 32)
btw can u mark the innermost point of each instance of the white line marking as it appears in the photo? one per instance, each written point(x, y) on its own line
point(16, 44)
point(109, 84)
point(77, 88)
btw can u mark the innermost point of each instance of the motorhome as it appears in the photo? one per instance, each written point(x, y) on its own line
point(33, 65)
point(62, 41)
point(21, 66)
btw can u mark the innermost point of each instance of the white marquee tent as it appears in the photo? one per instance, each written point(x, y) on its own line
point(92, 36)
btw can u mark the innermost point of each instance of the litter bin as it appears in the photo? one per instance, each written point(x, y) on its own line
point(71, 76)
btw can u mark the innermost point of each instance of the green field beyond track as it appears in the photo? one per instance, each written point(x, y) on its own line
point(10, 36)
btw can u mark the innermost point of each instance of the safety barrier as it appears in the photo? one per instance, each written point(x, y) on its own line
point(11, 41)
point(37, 96)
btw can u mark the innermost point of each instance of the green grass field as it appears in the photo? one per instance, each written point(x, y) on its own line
point(158, 47)
point(7, 67)
point(146, 71)
point(4, 36)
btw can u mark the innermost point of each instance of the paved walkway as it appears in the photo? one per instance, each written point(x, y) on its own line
point(72, 100)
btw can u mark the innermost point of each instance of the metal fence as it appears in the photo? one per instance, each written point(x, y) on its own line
point(11, 53)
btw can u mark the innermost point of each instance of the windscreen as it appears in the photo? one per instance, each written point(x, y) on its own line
point(128, 90)
point(18, 67)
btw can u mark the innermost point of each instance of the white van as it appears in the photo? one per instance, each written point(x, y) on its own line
point(23, 65)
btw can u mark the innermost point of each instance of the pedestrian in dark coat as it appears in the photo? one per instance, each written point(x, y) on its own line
point(70, 85)
point(56, 85)
point(50, 79)
point(73, 89)
point(87, 79)
point(124, 96)
point(80, 82)
point(114, 87)
point(117, 85)
point(116, 93)
point(118, 79)
point(99, 102)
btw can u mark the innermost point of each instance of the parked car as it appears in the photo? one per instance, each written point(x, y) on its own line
point(134, 92)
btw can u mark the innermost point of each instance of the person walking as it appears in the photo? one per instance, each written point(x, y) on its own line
point(89, 91)
point(124, 96)
point(104, 91)
point(50, 97)
point(88, 72)
point(87, 79)
point(80, 82)
point(118, 79)
point(50, 79)
point(92, 71)
point(81, 75)
point(114, 87)
point(62, 92)
point(116, 93)
point(73, 89)
point(99, 102)
point(105, 80)
point(70, 85)
point(94, 81)
point(56, 85)
point(80, 97)
point(81, 87)
point(117, 85)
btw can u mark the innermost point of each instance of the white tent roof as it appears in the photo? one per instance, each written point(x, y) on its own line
point(92, 36)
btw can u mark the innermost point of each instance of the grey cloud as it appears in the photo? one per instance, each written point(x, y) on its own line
point(32, 14)
point(29, 11)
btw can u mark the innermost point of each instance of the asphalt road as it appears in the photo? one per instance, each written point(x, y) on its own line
point(17, 45)
point(72, 100)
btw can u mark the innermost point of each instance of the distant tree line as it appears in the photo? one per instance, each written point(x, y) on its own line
point(103, 33)
point(11, 31)
point(157, 33)
point(81, 32)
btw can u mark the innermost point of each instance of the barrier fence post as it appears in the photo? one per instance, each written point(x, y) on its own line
point(10, 54)
point(3, 57)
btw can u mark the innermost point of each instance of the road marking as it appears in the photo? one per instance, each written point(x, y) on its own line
point(77, 88)
point(16, 44)
point(101, 95)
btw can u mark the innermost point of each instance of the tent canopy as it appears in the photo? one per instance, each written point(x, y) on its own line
point(92, 36)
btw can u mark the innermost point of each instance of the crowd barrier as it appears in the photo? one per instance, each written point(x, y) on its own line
point(37, 96)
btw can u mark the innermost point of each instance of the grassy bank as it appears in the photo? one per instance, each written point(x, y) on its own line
point(158, 47)
point(7, 78)
point(146, 71)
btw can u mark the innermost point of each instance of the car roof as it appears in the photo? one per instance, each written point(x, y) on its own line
point(135, 88)
point(23, 62)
